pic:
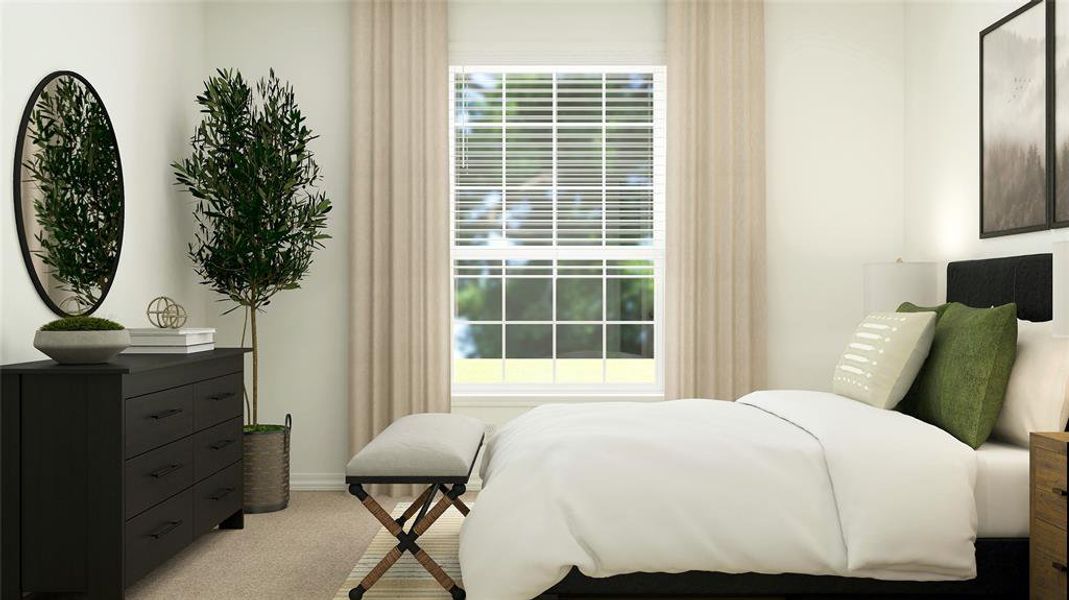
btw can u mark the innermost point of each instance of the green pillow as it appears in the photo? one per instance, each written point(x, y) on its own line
point(938, 310)
point(962, 384)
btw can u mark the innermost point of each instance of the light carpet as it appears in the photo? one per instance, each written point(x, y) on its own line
point(407, 579)
point(299, 553)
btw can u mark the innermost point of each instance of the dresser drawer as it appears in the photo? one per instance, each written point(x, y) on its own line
point(158, 534)
point(1049, 486)
point(155, 419)
point(217, 400)
point(156, 475)
point(217, 497)
point(1049, 540)
point(216, 447)
point(1048, 577)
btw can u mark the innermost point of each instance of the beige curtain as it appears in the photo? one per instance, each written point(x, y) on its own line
point(400, 321)
point(715, 309)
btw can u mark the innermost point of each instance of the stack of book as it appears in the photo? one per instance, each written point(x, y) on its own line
point(185, 340)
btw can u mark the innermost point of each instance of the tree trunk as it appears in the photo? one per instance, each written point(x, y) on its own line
point(255, 372)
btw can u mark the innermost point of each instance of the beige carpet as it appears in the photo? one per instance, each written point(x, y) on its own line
point(303, 552)
point(407, 579)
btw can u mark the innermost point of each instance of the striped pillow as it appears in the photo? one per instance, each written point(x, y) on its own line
point(884, 357)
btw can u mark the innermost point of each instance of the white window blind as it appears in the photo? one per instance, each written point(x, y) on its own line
point(558, 207)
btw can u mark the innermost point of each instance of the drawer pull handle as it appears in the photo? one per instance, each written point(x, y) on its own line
point(1060, 492)
point(1059, 566)
point(168, 528)
point(165, 471)
point(221, 444)
point(219, 495)
point(167, 413)
point(222, 396)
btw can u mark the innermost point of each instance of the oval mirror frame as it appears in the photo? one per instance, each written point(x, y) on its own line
point(17, 181)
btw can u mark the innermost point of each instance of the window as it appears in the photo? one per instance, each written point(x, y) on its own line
point(557, 191)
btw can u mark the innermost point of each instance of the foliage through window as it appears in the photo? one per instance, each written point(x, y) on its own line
point(558, 226)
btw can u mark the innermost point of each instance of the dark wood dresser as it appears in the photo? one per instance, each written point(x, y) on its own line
point(1047, 556)
point(109, 470)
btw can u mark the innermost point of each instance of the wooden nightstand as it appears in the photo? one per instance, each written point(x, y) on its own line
point(1047, 554)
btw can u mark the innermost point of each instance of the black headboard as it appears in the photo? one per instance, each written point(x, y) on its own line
point(1026, 280)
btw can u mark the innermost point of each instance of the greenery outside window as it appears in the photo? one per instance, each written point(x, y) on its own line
point(557, 191)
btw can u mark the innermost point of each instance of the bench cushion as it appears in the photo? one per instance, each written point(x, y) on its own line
point(420, 447)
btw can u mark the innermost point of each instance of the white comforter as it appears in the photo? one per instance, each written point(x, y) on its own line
point(778, 482)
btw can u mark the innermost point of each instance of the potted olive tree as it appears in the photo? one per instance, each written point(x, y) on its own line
point(259, 218)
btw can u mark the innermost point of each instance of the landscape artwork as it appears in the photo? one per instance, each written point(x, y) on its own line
point(1013, 180)
point(1061, 113)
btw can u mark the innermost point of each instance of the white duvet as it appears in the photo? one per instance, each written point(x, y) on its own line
point(778, 482)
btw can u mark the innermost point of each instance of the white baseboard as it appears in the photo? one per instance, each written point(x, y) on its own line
point(317, 482)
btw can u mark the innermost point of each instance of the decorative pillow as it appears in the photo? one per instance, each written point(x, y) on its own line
point(1037, 397)
point(909, 307)
point(883, 358)
point(962, 385)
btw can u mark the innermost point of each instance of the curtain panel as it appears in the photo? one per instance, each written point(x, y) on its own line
point(715, 282)
point(400, 285)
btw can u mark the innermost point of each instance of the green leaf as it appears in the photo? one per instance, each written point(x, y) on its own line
point(259, 213)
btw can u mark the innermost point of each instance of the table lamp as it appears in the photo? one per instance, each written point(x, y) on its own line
point(889, 284)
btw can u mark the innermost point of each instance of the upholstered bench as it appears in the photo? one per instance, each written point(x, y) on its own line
point(433, 449)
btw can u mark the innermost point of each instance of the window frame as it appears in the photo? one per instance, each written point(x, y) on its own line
point(655, 252)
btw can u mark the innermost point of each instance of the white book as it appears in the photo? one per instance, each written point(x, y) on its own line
point(170, 349)
point(171, 337)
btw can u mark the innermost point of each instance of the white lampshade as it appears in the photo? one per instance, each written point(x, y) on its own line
point(888, 284)
point(1061, 289)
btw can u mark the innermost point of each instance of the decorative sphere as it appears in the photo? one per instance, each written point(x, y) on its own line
point(165, 313)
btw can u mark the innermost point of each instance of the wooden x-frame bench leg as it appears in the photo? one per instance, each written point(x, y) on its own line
point(406, 540)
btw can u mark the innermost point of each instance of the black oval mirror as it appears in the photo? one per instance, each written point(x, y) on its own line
point(68, 194)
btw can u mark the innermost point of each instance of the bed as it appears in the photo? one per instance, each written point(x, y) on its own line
point(833, 524)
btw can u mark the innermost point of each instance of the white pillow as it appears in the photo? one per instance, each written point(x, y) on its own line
point(1037, 397)
point(884, 357)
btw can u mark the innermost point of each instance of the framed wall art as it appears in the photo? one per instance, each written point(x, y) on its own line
point(1015, 123)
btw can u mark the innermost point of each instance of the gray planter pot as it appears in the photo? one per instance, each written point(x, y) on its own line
point(267, 469)
point(82, 347)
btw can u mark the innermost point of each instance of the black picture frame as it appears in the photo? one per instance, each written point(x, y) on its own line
point(1045, 141)
point(16, 184)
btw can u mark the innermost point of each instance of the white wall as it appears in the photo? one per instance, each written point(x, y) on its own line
point(143, 59)
point(553, 32)
point(834, 137)
point(303, 333)
point(942, 168)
